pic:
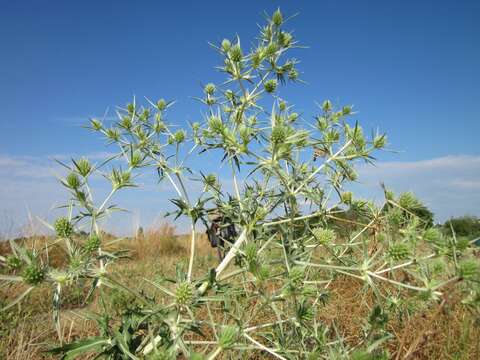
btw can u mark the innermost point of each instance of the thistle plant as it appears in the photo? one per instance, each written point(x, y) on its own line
point(300, 229)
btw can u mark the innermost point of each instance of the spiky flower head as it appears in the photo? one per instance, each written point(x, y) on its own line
point(210, 181)
point(131, 108)
point(346, 197)
point(398, 251)
point(380, 141)
point(270, 85)
point(13, 262)
point(159, 125)
point(161, 104)
point(331, 136)
point(296, 276)
point(437, 266)
point(469, 269)
point(136, 159)
point(257, 57)
point(277, 18)
point(216, 125)
point(76, 264)
point(285, 39)
point(346, 110)
point(251, 256)
point(305, 311)
point(226, 45)
point(262, 273)
point(432, 235)
point(96, 124)
point(33, 274)
point(120, 178)
point(389, 195)
point(63, 227)
point(408, 201)
point(59, 276)
point(83, 167)
point(184, 294)
point(93, 243)
point(327, 106)
point(180, 136)
point(395, 217)
point(293, 117)
point(195, 126)
point(73, 181)
point(209, 89)
point(323, 236)
point(279, 134)
point(293, 74)
point(228, 337)
point(236, 53)
point(270, 50)
point(113, 134)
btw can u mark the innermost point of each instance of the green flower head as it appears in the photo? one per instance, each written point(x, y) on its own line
point(270, 85)
point(277, 18)
point(63, 227)
point(93, 243)
point(398, 251)
point(324, 236)
point(184, 294)
point(33, 274)
point(236, 53)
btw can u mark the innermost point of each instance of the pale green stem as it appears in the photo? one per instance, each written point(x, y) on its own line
point(396, 267)
point(213, 355)
point(407, 286)
point(452, 280)
point(174, 185)
point(231, 253)
point(200, 342)
point(312, 175)
point(263, 347)
point(183, 187)
point(252, 328)
point(235, 185)
point(232, 274)
point(192, 253)
point(283, 221)
point(107, 199)
point(326, 266)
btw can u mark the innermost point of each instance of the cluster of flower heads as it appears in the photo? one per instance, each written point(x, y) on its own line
point(299, 228)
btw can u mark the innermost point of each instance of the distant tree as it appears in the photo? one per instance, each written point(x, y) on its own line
point(468, 226)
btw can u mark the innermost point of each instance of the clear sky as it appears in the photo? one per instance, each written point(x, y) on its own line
point(411, 68)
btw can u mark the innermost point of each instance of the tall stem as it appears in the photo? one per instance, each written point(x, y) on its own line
point(192, 253)
point(312, 175)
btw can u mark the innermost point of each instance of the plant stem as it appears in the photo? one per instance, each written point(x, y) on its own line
point(312, 175)
point(263, 347)
point(192, 253)
point(231, 253)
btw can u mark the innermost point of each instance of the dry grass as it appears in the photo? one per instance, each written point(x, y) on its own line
point(446, 332)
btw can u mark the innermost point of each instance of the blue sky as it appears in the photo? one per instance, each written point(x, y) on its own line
point(411, 68)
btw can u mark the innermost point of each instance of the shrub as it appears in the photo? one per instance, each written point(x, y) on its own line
point(268, 293)
point(468, 226)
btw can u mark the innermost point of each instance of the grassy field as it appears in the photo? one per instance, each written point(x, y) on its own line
point(445, 331)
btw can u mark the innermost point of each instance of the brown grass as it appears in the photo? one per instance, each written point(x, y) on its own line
point(440, 332)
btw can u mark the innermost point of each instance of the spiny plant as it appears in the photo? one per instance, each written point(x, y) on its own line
point(300, 229)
